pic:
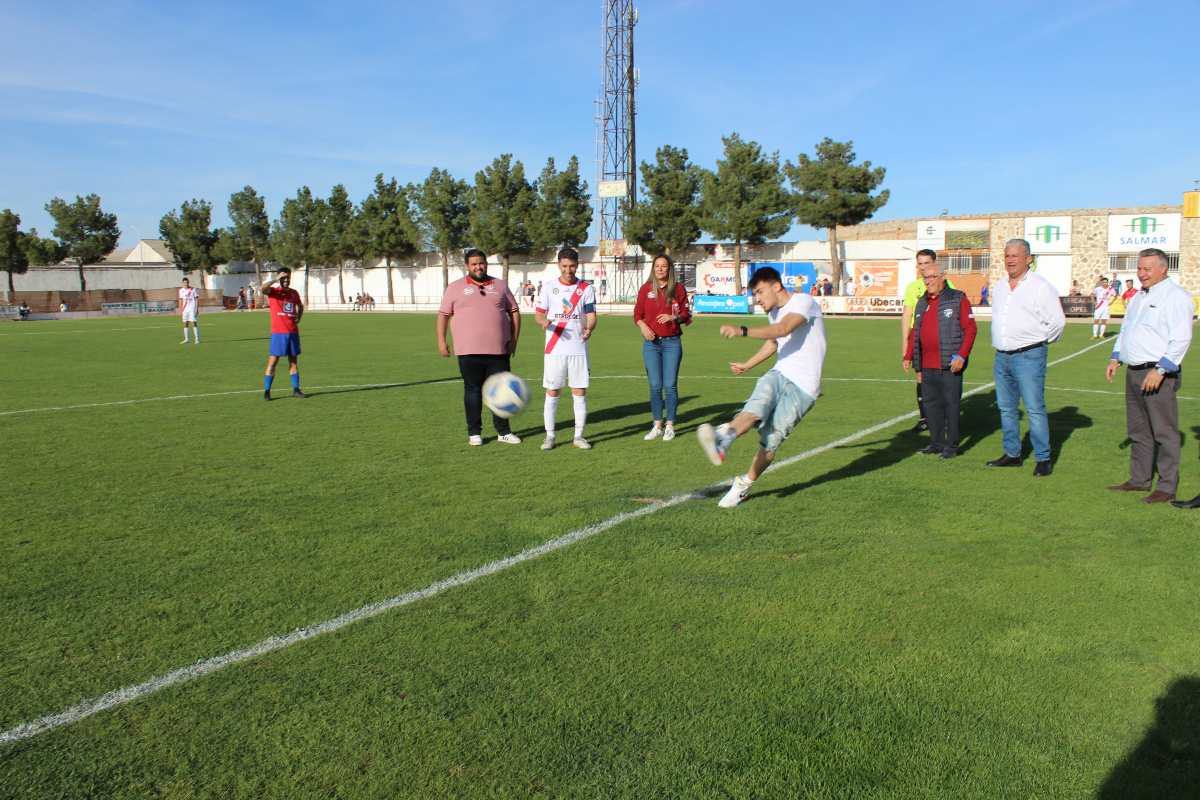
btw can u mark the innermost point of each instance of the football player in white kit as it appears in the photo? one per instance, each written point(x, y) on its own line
point(189, 304)
point(566, 310)
point(1104, 294)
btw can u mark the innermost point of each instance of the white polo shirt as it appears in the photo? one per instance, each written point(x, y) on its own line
point(1027, 315)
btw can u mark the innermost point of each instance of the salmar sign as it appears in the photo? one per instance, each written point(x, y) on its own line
point(1128, 233)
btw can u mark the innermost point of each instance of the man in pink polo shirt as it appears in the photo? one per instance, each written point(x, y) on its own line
point(485, 323)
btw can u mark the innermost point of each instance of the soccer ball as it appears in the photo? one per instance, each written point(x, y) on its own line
point(505, 394)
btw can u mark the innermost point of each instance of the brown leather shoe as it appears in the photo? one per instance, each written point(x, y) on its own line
point(1158, 497)
point(1127, 487)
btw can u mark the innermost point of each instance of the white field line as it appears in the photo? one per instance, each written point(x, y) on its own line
point(128, 694)
point(94, 330)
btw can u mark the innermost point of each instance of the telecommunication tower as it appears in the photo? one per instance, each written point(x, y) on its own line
point(616, 155)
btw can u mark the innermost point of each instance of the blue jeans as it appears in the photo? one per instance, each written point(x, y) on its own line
point(1021, 377)
point(662, 358)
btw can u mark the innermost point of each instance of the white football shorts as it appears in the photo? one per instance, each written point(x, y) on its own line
point(558, 371)
point(189, 314)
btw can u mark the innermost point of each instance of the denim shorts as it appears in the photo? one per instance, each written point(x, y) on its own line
point(779, 404)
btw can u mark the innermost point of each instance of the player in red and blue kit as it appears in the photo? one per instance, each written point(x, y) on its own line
point(286, 310)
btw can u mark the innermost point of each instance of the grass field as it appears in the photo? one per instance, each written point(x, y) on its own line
point(870, 623)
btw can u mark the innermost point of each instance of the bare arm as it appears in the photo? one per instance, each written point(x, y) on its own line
point(541, 319)
point(589, 324)
point(766, 351)
point(515, 316)
point(906, 317)
point(782, 328)
point(443, 348)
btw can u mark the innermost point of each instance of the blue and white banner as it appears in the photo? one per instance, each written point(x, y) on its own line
point(721, 304)
point(798, 276)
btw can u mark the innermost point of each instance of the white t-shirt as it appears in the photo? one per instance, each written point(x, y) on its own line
point(555, 303)
point(187, 299)
point(1104, 295)
point(801, 353)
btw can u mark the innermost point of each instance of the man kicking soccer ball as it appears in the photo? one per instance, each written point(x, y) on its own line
point(796, 336)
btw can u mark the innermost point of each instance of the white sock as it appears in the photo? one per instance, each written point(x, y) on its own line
point(1102, 327)
point(1095, 329)
point(580, 413)
point(196, 333)
point(549, 411)
point(726, 434)
point(185, 330)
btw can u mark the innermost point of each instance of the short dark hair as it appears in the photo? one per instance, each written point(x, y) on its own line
point(927, 252)
point(569, 253)
point(185, 280)
point(765, 275)
point(285, 270)
point(472, 253)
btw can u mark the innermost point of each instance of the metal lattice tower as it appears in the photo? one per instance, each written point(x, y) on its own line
point(616, 155)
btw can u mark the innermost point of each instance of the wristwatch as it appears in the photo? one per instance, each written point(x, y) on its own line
point(1161, 371)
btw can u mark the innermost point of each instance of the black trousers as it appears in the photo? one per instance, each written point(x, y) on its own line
point(475, 370)
point(942, 392)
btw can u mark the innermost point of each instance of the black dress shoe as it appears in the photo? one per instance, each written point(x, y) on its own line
point(1042, 469)
point(930, 451)
point(1193, 503)
point(920, 427)
point(1005, 461)
point(950, 453)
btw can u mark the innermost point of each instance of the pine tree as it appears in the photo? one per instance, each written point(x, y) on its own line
point(667, 219)
point(744, 200)
point(832, 190)
point(503, 200)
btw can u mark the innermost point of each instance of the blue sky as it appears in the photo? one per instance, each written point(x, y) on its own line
point(978, 107)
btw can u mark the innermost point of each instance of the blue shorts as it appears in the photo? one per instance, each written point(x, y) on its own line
point(779, 404)
point(285, 344)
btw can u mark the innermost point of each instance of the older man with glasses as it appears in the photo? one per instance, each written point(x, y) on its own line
point(1151, 345)
point(1026, 316)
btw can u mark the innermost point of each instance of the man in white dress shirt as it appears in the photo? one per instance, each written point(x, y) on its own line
point(1026, 316)
point(1152, 344)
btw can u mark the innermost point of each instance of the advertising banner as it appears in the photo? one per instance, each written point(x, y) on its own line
point(798, 276)
point(861, 305)
point(715, 277)
point(1048, 234)
point(931, 234)
point(876, 278)
point(721, 304)
point(1128, 233)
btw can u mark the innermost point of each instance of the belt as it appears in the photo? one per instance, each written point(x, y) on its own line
point(1147, 365)
point(1023, 349)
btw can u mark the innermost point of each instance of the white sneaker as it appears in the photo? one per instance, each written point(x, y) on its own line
point(185, 341)
point(549, 443)
point(669, 433)
point(736, 494)
point(509, 438)
point(712, 442)
point(581, 443)
point(654, 433)
point(475, 441)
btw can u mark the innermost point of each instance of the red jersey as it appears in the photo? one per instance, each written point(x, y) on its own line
point(286, 309)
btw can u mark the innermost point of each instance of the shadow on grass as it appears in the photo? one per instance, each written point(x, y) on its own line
point(978, 419)
point(1063, 423)
point(1166, 763)
point(686, 420)
point(380, 386)
point(884, 453)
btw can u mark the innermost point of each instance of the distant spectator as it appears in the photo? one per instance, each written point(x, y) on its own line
point(828, 289)
point(24, 310)
point(241, 300)
point(1129, 292)
point(62, 308)
point(984, 298)
point(848, 288)
point(250, 297)
point(1075, 290)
